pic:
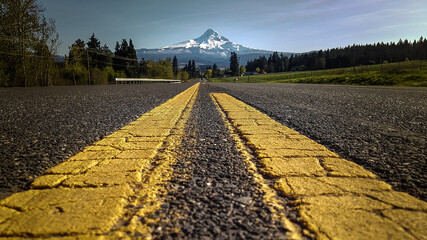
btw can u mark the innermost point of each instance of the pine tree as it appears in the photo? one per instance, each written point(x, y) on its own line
point(93, 42)
point(131, 52)
point(125, 59)
point(105, 57)
point(175, 67)
point(193, 69)
point(234, 64)
point(132, 65)
point(119, 65)
point(189, 69)
point(94, 50)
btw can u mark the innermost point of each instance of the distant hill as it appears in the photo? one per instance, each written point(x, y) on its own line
point(207, 49)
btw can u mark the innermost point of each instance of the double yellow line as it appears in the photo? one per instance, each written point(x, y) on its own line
point(109, 189)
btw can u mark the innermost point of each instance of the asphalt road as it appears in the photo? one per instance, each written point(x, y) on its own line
point(381, 128)
point(212, 194)
point(40, 127)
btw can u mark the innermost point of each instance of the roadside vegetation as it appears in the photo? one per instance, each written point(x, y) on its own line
point(29, 44)
point(392, 64)
point(408, 73)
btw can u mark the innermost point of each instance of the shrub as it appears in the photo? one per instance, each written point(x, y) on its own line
point(76, 73)
point(99, 77)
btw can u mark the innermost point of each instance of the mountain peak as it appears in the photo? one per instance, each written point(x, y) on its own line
point(210, 31)
point(212, 35)
point(207, 49)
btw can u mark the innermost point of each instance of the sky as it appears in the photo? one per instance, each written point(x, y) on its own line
point(278, 25)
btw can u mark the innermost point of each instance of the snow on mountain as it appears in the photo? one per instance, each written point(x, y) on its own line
point(207, 49)
point(211, 39)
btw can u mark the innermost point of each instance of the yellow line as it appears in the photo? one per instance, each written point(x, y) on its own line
point(336, 199)
point(270, 197)
point(108, 188)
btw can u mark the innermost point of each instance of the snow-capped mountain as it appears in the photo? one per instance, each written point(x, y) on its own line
point(207, 49)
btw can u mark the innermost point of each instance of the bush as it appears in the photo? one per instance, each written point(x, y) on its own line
point(76, 73)
point(183, 75)
point(111, 74)
point(99, 77)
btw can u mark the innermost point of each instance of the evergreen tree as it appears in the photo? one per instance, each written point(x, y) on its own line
point(189, 69)
point(132, 65)
point(131, 52)
point(175, 67)
point(125, 59)
point(105, 57)
point(234, 64)
point(94, 50)
point(93, 42)
point(118, 61)
point(193, 69)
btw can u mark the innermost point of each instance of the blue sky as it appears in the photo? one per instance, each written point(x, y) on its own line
point(281, 25)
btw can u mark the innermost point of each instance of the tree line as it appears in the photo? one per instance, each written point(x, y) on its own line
point(349, 56)
point(29, 44)
point(94, 63)
point(234, 68)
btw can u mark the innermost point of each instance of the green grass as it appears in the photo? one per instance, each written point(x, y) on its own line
point(409, 73)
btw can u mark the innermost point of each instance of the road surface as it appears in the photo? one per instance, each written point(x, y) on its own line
point(205, 165)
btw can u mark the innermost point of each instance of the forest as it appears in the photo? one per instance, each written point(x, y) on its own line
point(93, 63)
point(350, 56)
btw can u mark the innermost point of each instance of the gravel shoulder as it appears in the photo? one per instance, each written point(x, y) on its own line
point(40, 127)
point(381, 128)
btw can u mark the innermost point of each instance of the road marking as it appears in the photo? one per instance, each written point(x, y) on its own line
point(270, 196)
point(108, 188)
point(335, 198)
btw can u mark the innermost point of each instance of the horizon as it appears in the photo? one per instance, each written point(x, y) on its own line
point(283, 26)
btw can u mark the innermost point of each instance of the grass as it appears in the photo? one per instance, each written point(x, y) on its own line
point(409, 73)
